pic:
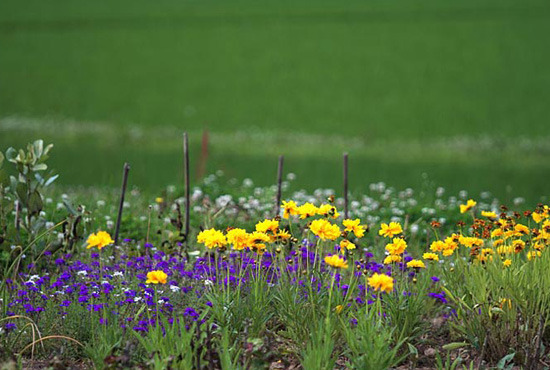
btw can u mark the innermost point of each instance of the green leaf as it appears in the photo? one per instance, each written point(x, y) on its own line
point(454, 345)
point(505, 360)
point(38, 148)
point(35, 203)
point(40, 167)
point(11, 153)
point(1, 159)
point(21, 190)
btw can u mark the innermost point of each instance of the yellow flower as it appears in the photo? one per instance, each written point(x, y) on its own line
point(539, 216)
point(389, 231)
point(336, 261)
point(507, 262)
point(430, 256)
point(159, 200)
point(521, 230)
point(346, 244)
point(328, 210)
point(99, 240)
point(156, 277)
point(381, 282)
point(354, 226)
point(267, 225)
point(437, 246)
point(212, 238)
point(307, 210)
point(504, 249)
point(397, 247)
point(468, 206)
point(518, 245)
point(289, 208)
point(392, 258)
point(488, 214)
point(239, 238)
point(257, 241)
point(497, 232)
point(416, 264)
point(324, 229)
point(339, 308)
point(283, 234)
point(533, 254)
point(470, 241)
point(486, 254)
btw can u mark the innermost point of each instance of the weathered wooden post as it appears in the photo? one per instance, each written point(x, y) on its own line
point(125, 171)
point(279, 185)
point(346, 210)
point(187, 198)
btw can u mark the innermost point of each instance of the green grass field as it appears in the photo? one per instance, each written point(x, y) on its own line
point(406, 87)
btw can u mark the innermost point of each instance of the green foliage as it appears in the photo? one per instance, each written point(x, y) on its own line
point(371, 344)
point(499, 310)
point(171, 345)
point(26, 187)
point(319, 352)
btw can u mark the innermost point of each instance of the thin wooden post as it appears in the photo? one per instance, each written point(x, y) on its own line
point(187, 198)
point(279, 184)
point(125, 171)
point(346, 211)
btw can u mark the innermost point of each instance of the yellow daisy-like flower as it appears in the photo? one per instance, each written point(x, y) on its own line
point(430, 256)
point(416, 264)
point(533, 254)
point(159, 200)
point(307, 210)
point(437, 246)
point(392, 258)
point(381, 282)
point(507, 262)
point(267, 225)
point(468, 206)
point(346, 244)
point(257, 241)
point(504, 249)
point(518, 245)
point(354, 226)
point(328, 210)
point(389, 231)
point(470, 241)
point(156, 277)
point(336, 261)
point(497, 233)
point(489, 214)
point(324, 229)
point(397, 247)
point(283, 235)
point(521, 230)
point(212, 238)
point(239, 238)
point(538, 216)
point(289, 209)
point(99, 240)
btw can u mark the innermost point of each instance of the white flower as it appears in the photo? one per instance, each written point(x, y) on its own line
point(100, 203)
point(175, 288)
point(118, 273)
point(82, 272)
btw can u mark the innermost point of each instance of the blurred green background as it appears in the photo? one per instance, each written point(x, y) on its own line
point(457, 90)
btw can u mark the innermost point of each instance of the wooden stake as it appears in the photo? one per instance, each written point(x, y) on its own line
point(125, 171)
point(187, 198)
point(279, 185)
